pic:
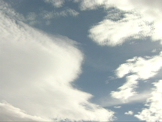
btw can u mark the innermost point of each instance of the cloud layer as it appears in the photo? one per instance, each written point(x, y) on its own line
point(36, 74)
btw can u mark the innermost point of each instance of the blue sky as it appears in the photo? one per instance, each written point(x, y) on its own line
point(80, 60)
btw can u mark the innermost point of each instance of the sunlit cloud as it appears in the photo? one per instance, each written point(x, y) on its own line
point(127, 90)
point(153, 109)
point(142, 18)
point(136, 69)
point(36, 74)
point(144, 68)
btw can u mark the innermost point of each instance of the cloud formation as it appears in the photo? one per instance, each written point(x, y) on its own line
point(10, 113)
point(136, 69)
point(153, 111)
point(36, 74)
point(129, 113)
point(144, 68)
point(142, 18)
point(127, 89)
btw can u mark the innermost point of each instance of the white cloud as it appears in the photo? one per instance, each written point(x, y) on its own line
point(10, 113)
point(113, 33)
point(144, 68)
point(53, 14)
point(35, 75)
point(117, 106)
point(153, 111)
point(55, 3)
point(137, 98)
point(140, 69)
point(126, 90)
point(129, 113)
point(142, 18)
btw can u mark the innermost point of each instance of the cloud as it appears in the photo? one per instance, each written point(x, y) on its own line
point(144, 68)
point(136, 69)
point(34, 18)
point(142, 18)
point(46, 16)
point(136, 98)
point(113, 33)
point(153, 111)
point(129, 113)
point(117, 106)
point(55, 3)
point(10, 113)
point(91, 4)
point(126, 90)
point(36, 73)
point(54, 14)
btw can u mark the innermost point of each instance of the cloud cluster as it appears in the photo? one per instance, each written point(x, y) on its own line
point(153, 111)
point(36, 74)
point(142, 18)
point(137, 68)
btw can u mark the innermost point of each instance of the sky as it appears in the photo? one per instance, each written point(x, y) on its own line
point(80, 60)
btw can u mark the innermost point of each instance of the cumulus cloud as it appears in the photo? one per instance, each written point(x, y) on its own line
point(142, 18)
point(36, 73)
point(113, 33)
point(144, 68)
point(153, 111)
point(129, 113)
point(136, 69)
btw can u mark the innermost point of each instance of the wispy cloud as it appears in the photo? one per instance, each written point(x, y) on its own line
point(129, 113)
point(36, 74)
point(136, 98)
point(47, 16)
point(117, 106)
point(127, 90)
point(54, 14)
point(136, 69)
point(55, 3)
point(154, 108)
